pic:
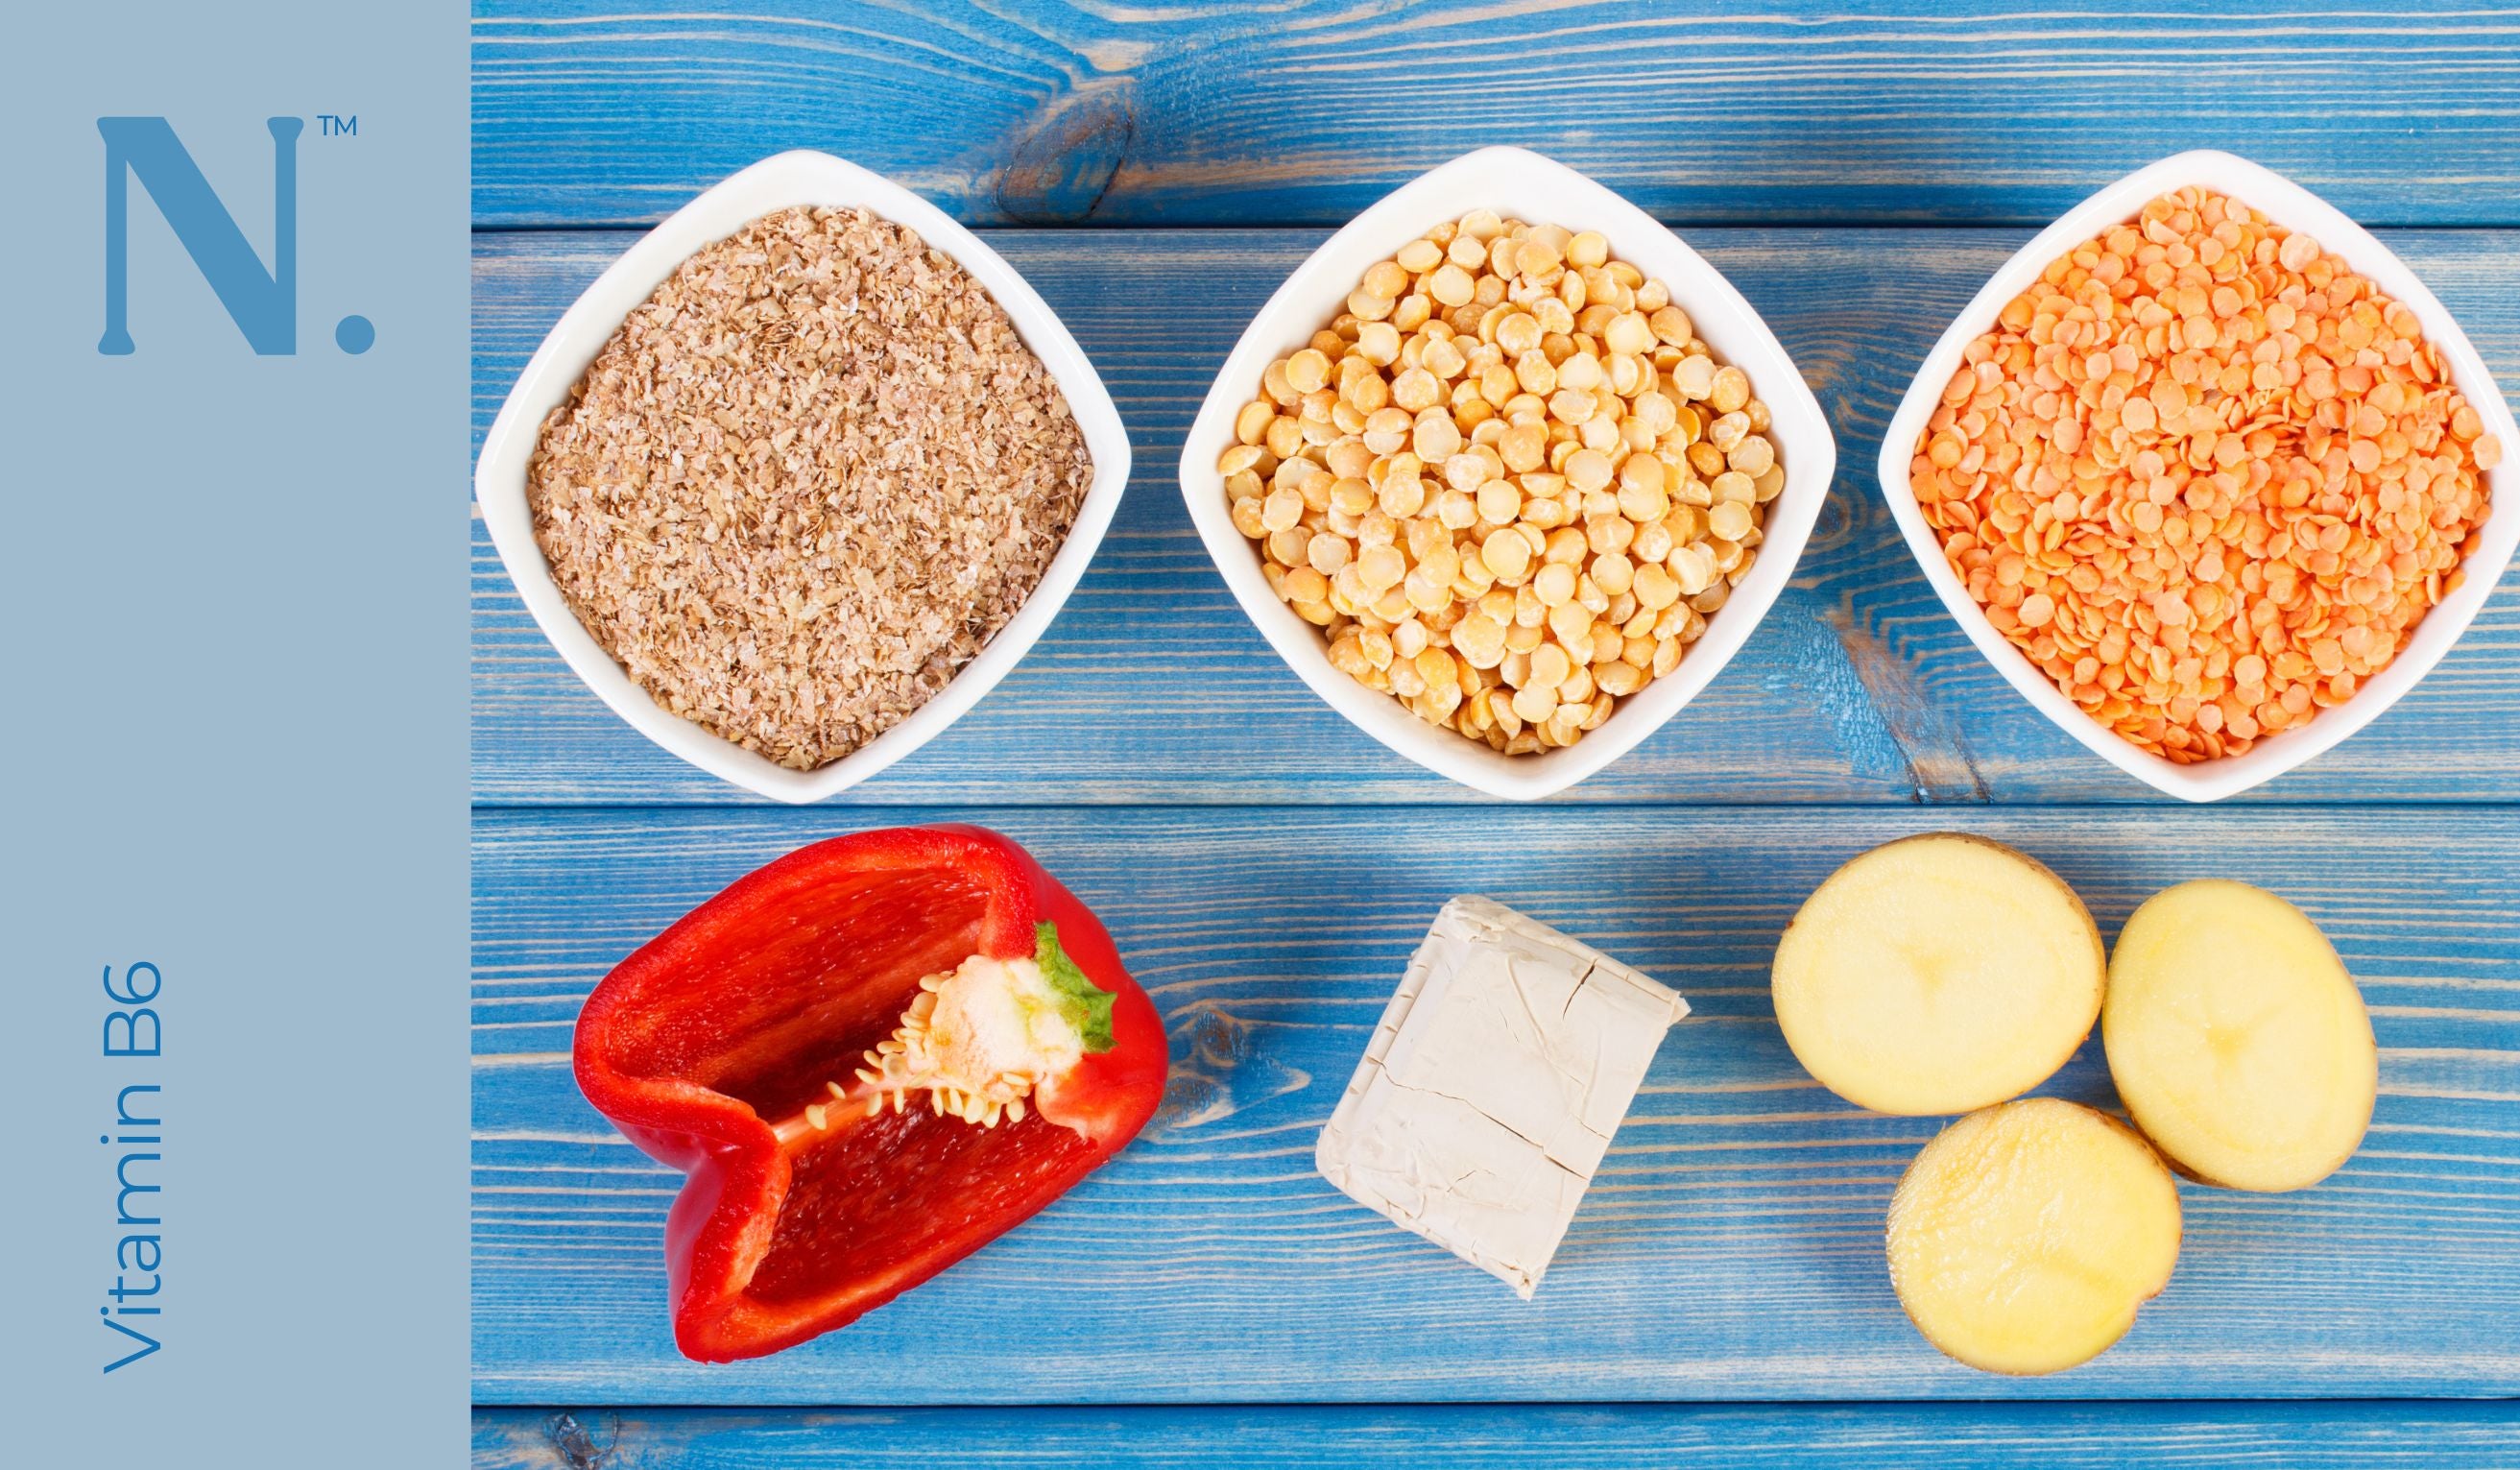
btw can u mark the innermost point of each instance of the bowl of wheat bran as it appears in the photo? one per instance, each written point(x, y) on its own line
point(801, 476)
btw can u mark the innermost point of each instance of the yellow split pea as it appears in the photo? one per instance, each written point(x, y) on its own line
point(2205, 476)
point(1510, 484)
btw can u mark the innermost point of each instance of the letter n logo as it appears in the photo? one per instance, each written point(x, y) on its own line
point(262, 303)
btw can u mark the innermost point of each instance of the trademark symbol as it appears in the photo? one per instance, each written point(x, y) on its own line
point(353, 335)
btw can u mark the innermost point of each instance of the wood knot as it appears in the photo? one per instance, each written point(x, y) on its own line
point(1834, 523)
point(1058, 171)
point(1218, 1071)
point(577, 1448)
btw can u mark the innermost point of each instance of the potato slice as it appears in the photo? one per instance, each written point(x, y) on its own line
point(2025, 1235)
point(1938, 973)
point(2239, 1043)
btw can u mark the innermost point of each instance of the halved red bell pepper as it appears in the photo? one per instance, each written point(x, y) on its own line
point(732, 1045)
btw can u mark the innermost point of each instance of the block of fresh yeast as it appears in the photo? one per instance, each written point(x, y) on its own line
point(1493, 1085)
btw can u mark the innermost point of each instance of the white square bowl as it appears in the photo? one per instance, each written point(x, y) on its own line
point(785, 181)
point(2290, 205)
point(1519, 184)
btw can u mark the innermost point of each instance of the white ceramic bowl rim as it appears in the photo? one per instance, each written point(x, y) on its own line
point(780, 182)
point(1516, 182)
point(2290, 205)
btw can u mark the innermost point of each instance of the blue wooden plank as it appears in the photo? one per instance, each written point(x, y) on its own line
point(1153, 686)
point(1731, 1246)
point(1879, 1437)
point(1962, 111)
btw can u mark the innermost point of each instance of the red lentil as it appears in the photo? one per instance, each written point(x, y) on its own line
point(2205, 476)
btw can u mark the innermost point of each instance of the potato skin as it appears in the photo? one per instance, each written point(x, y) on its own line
point(2091, 928)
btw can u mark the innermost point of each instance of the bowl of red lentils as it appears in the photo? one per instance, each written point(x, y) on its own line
point(1505, 473)
point(2208, 475)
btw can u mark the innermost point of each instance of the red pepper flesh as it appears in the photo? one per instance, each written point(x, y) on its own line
point(706, 1046)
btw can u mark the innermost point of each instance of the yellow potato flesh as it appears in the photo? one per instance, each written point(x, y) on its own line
point(2025, 1236)
point(1936, 975)
point(2238, 1041)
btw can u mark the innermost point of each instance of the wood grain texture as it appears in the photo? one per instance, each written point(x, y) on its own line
point(1731, 1249)
point(586, 112)
point(1731, 1246)
point(1153, 686)
point(1879, 1437)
